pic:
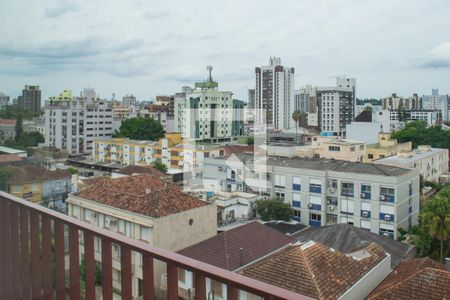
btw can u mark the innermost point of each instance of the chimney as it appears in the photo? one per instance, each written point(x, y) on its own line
point(447, 263)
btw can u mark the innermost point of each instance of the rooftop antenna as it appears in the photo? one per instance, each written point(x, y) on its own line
point(209, 69)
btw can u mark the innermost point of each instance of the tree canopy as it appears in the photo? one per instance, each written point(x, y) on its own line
point(418, 133)
point(140, 129)
point(13, 111)
point(274, 210)
point(160, 166)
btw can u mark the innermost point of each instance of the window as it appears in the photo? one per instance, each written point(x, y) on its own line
point(370, 156)
point(297, 215)
point(334, 148)
point(296, 186)
point(315, 188)
point(332, 200)
point(331, 219)
point(387, 194)
point(332, 184)
point(347, 189)
point(315, 217)
point(181, 275)
point(279, 196)
point(366, 191)
point(16, 188)
point(145, 233)
point(280, 180)
point(296, 198)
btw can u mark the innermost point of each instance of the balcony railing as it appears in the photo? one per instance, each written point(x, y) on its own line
point(33, 262)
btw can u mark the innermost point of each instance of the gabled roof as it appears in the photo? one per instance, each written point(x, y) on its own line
point(348, 238)
point(147, 169)
point(415, 279)
point(315, 270)
point(285, 227)
point(146, 195)
point(224, 250)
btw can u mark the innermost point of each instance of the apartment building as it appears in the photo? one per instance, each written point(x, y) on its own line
point(305, 99)
point(4, 100)
point(437, 102)
point(172, 151)
point(431, 117)
point(432, 163)
point(334, 148)
point(322, 192)
point(207, 114)
point(31, 98)
point(274, 95)
point(145, 208)
point(385, 147)
point(336, 106)
point(395, 102)
point(73, 123)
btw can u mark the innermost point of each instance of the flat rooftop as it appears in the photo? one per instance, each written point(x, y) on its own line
point(416, 155)
point(322, 165)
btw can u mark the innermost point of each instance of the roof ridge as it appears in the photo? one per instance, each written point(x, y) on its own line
point(313, 276)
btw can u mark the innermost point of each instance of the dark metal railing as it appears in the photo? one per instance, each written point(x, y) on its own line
point(33, 262)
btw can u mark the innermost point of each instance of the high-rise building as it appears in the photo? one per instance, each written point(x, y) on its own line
point(305, 99)
point(73, 123)
point(4, 100)
point(395, 102)
point(336, 106)
point(437, 102)
point(251, 99)
point(274, 94)
point(128, 100)
point(31, 98)
point(207, 114)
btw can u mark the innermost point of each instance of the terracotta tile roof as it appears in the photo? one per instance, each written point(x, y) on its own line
point(148, 169)
point(315, 270)
point(415, 279)
point(224, 249)
point(7, 121)
point(34, 173)
point(142, 194)
point(9, 158)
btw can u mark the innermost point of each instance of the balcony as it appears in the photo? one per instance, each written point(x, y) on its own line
point(27, 230)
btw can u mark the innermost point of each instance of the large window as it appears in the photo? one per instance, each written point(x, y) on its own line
point(296, 183)
point(366, 191)
point(280, 180)
point(145, 233)
point(296, 197)
point(334, 148)
point(279, 196)
point(315, 188)
point(347, 189)
point(387, 194)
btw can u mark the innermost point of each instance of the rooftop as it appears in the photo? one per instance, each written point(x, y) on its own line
point(9, 158)
point(348, 238)
point(11, 150)
point(315, 270)
point(323, 165)
point(224, 250)
point(410, 157)
point(141, 194)
point(33, 173)
point(286, 227)
point(7, 121)
point(146, 169)
point(415, 279)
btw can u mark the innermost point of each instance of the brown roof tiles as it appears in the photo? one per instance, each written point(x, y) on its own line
point(315, 270)
point(34, 173)
point(148, 169)
point(415, 279)
point(142, 194)
point(224, 250)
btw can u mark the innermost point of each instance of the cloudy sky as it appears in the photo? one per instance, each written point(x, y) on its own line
point(155, 47)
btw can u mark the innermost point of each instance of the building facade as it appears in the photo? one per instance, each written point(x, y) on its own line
point(4, 100)
point(322, 192)
point(437, 102)
point(274, 95)
point(395, 102)
point(207, 114)
point(31, 98)
point(73, 123)
point(305, 99)
point(385, 147)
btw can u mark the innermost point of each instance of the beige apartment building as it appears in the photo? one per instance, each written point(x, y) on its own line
point(148, 209)
point(334, 148)
point(385, 147)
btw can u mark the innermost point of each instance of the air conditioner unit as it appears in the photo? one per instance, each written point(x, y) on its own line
point(331, 190)
point(382, 198)
point(386, 234)
point(331, 207)
point(387, 217)
point(310, 205)
point(365, 214)
point(363, 195)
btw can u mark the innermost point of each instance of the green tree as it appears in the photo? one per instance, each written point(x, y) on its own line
point(274, 209)
point(418, 133)
point(19, 127)
point(296, 115)
point(436, 219)
point(160, 166)
point(13, 111)
point(141, 129)
point(72, 170)
point(30, 139)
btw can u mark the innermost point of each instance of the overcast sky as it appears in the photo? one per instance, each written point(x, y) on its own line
point(150, 48)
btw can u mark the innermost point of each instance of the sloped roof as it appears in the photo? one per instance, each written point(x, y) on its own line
point(34, 173)
point(415, 279)
point(224, 250)
point(348, 238)
point(142, 194)
point(9, 158)
point(315, 270)
point(147, 169)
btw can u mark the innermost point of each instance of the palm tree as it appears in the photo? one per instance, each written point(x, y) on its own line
point(436, 218)
point(296, 117)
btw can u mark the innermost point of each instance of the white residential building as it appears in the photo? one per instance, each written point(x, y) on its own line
point(304, 99)
point(395, 102)
point(322, 192)
point(73, 123)
point(274, 95)
point(432, 163)
point(437, 102)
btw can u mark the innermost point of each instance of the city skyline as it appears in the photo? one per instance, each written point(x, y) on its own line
point(65, 44)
